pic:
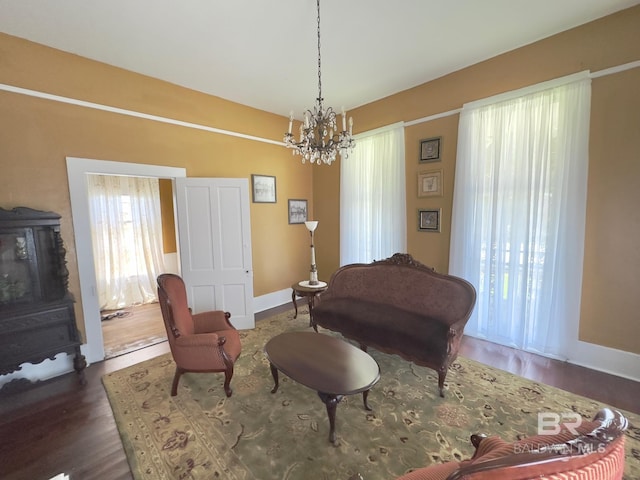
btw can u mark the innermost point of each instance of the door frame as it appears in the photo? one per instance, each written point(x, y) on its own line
point(77, 170)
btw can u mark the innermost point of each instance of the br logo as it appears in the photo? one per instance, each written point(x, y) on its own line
point(549, 422)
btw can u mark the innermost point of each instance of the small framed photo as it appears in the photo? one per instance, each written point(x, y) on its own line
point(264, 188)
point(429, 220)
point(297, 211)
point(430, 149)
point(430, 183)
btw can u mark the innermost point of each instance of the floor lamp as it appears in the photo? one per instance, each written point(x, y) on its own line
point(313, 274)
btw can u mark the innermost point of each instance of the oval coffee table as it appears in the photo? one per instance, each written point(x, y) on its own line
point(328, 365)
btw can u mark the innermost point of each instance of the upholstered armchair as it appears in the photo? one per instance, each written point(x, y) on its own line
point(202, 342)
point(593, 450)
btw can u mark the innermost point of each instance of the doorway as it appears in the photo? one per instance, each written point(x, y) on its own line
point(229, 279)
point(131, 220)
point(77, 170)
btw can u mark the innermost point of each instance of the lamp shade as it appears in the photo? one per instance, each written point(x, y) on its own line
point(311, 225)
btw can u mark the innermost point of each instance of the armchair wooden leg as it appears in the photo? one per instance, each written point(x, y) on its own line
point(228, 373)
point(176, 379)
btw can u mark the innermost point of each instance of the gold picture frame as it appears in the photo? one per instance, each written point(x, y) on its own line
point(430, 183)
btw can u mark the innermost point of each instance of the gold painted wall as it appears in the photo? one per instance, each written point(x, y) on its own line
point(610, 313)
point(612, 255)
point(37, 135)
point(169, 240)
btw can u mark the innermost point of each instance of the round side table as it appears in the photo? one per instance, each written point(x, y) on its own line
point(310, 293)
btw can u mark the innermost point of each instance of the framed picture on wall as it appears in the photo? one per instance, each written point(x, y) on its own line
point(297, 211)
point(430, 183)
point(264, 188)
point(429, 220)
point(430, 149)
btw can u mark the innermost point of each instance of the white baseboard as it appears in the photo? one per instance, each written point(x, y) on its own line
point(61, 364)
point(596, 357)
point(271, 300)
point(607, 360)
point(171, 263)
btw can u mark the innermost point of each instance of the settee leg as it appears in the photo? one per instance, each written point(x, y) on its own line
point(441, 377)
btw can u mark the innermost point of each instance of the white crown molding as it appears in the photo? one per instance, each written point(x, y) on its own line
point(131, 113)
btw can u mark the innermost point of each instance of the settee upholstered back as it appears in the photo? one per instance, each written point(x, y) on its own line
point(402, 281)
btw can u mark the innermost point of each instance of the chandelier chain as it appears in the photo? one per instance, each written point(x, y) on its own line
point(321, 140)
point(319, 59)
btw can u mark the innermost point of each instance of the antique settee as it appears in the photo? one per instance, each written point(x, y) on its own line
point(399, 306)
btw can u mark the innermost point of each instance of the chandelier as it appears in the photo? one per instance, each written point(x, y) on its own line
point(320, 141)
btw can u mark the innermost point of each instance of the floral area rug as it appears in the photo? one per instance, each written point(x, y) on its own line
point(202, 434)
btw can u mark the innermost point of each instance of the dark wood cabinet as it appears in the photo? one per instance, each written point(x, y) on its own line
point(37, 319)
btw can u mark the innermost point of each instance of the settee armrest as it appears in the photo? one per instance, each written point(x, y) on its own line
point(458, 326)
point(595, 446)
point(600, 441)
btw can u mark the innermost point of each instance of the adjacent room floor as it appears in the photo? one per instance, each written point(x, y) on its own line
point(132, 328)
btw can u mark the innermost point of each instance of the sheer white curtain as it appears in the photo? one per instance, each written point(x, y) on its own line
point(126, 230)
point(373, 223)
point(519, 213)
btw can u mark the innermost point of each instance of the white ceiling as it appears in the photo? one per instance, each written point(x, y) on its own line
point(264, 53)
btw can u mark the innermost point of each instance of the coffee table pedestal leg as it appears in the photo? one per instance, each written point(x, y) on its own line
point(331, 401)
point(365, 395)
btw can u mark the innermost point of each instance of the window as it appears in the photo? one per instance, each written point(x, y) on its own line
point(518, 214)
point(372, 197)
point(126, 230)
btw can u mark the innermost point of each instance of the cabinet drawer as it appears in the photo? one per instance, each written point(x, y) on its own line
point(34, 336)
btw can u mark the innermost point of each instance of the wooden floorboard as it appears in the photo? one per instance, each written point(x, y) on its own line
point(59, 427)
point(129, 329)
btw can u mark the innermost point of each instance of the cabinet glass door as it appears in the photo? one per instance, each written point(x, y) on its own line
point(17, 258)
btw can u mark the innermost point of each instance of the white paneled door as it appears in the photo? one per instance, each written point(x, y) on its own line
point(214, 233)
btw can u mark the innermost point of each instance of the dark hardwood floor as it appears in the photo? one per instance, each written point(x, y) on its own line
point(60, 427)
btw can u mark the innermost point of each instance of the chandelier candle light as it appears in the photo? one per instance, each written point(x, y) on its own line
point(320, 140)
